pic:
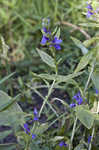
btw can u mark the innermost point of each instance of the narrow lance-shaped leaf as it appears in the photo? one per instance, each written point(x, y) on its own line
point(79, 44)
point(58, 78)
point(90, 25)
point(9, 103)
point(84, 62)
point(46, 58)
point(90, 41)
point(6, 78)
point(10, 111)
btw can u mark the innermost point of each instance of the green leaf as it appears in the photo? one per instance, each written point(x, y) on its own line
point(55, 30)
point(79, 44)
point(80, 147)
point(90, 41)
point(6, 78)
point(12, 114)
point(96, 116)
point(7, 104)
point(46, 58)
point(58, 78)
point(7, 146)
point(58, 33)
point(85, 116)
point(89, 25)
point(84, 62)
point(95, 79)
point(40, 129)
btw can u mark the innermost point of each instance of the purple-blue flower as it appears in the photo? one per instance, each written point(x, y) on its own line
point(89, 139)
point(35, 118)
point(35, 112)
point(26, 129)
point(45, 30)
point(48, 38)
point(56, 43)
point(89, 6)
point(90, 11)
point(44, 40)
point(33, 136)
point(89, 14)
point(78, 98)
point(96, 91)
point(72, 105)
point(56, 40)
point(62, 143)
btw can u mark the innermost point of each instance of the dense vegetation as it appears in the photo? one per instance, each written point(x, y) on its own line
point(49, 75)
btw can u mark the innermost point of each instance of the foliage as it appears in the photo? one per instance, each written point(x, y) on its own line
point(44, 56)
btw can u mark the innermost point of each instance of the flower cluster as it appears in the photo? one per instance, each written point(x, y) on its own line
point(49, 39)
point(26, 128)
point(78, 99)
point(27, 131)
point(90, 10)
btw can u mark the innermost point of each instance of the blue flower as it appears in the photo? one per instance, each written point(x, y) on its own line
point(78, 98)
point(89, 139)
point(72, 105)
point(89, 6)
point(35, 118)
point(44, 40)
point(35, 111)
point(57, 47)
point(62, 143)
point(57, 40)
point(56, 43)
point(96, 91)
point(26, 129)
point(35, 114)
point(45, 30)
point(89, 14)
point(90, 11)
point(33, 136)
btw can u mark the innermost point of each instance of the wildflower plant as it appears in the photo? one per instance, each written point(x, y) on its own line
point(65, 127)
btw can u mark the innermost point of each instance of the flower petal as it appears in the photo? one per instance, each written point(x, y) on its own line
point(57, 40)
point(44, 40)
point(57, 47)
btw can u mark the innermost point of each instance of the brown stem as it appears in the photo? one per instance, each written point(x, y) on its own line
point(76, 28)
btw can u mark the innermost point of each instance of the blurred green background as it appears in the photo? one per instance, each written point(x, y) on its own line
point(20, 27)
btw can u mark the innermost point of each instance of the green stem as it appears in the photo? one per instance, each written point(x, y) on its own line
point(89, 78)
point(27, 146)
point(73, 132)
point(46, 98)
point(92, 135)
point(56, 69)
